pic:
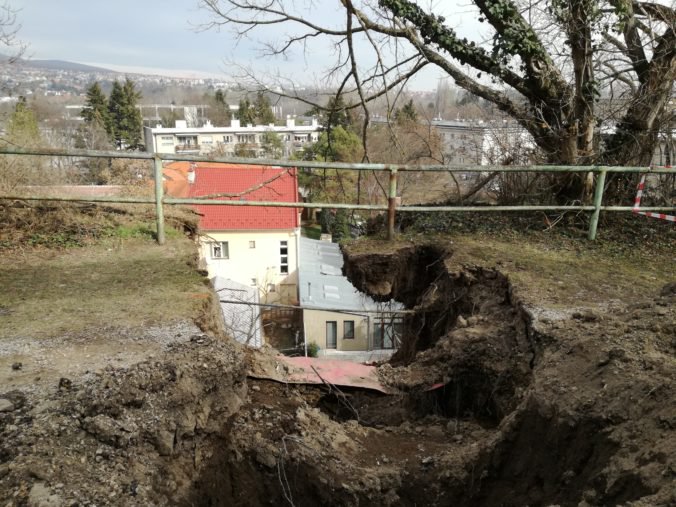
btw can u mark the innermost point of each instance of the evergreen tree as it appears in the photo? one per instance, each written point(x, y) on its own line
point(126, 118)
point(272, 145)
point(245, 113)
point(96, 108)
point(340, 229)
point(22, 126)
point(22, 130)
point(219, 111)
point(406, 113)
point(258, 113)
point(336, 145)
point(334, 114)
point(262, 110)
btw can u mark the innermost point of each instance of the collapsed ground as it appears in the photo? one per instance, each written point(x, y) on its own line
point(537, 370)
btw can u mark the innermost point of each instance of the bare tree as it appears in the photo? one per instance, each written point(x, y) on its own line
point(549, 64)
point(9, 29)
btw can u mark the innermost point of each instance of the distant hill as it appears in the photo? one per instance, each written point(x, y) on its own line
point(57, 65)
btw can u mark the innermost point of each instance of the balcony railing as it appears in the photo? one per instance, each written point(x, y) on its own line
point(188, 148)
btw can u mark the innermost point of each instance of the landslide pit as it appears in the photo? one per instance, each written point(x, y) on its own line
point(499, 403)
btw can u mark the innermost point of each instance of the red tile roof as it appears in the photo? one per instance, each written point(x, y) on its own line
point(251, 183)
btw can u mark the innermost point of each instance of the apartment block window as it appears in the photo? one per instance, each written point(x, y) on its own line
point(348, 329)
point(219, 250)
point(246, 138)
point(252, 244)
point(284, 257)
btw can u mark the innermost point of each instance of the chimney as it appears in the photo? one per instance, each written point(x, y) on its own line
point(290, 122)
point(191, 173)
point(234, 123)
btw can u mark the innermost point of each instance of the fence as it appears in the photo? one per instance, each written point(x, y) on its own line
point(393, 169)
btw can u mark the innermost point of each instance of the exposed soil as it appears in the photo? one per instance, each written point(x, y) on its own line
point(501, 400)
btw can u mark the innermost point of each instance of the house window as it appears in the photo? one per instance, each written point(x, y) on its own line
point(219, 250)
point(252, 244)
point(284, 257)
point(387, 334)
point(254, 282)
point(207, 140)
point(331, 334)
point(348, 329)
point(227, 139)
point(272, 287)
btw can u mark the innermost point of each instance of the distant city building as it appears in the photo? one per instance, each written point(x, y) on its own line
point(245, 140)
point(462, 141)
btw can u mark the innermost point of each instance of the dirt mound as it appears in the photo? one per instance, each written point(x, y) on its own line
point(126, 436)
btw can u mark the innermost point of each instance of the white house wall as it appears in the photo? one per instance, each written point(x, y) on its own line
point(259, 265)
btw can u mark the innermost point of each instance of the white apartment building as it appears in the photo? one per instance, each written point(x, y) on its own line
point(294, 135)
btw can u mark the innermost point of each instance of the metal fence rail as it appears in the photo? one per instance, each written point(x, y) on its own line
point(393, 169)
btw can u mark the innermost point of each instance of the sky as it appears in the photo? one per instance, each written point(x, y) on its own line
point(161, 36)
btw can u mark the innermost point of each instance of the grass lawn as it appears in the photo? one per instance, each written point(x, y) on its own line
point(125, 282)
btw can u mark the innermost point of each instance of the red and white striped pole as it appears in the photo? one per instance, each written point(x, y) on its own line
point(637, 204)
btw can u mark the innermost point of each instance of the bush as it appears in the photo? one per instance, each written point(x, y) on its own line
point(312, 349)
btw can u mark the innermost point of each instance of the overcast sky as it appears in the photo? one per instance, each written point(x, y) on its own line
point(130, 35)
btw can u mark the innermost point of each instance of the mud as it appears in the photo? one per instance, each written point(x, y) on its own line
point(499, 402)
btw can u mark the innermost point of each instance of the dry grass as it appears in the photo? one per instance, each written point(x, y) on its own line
point(131, 284)
point(67, 269)
point(64, 225)
point(563, 276)
point(555, 269)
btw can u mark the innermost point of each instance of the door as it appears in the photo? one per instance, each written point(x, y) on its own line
point(331, 334)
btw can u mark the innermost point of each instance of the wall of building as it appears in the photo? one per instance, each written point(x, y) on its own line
point(314, 322)
point(257, 264)
point(225, 139)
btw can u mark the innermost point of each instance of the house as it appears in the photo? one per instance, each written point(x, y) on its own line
point(241, 313)
point(243, 140)
point(252, 245)
point(337, 317)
